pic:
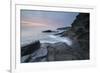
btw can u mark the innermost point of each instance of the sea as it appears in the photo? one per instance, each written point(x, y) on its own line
point(33, 34)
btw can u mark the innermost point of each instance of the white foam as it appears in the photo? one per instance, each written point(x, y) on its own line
point(55, 39)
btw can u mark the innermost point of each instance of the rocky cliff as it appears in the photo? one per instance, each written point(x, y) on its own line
point(80, 32)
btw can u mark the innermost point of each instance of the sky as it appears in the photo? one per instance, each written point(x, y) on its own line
point(48, 19)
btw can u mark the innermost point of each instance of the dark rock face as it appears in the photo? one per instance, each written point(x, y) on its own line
point(60, 52)
point(48, 31)
point(37, 56)
point(80, 32)
point(28, 49)
point(63, 28)
point(33, 52)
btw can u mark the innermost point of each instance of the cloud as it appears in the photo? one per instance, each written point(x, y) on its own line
point(32, 24)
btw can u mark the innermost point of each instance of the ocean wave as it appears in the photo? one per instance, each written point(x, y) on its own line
point(55, 39)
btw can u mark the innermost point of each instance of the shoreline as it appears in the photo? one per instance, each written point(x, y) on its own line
point(60, 51)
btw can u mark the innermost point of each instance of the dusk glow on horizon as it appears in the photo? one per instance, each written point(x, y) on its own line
point(29, 23)
point(32, 18)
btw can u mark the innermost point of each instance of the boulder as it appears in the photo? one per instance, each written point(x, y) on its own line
point(30, 48)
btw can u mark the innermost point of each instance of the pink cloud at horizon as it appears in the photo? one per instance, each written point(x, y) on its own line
point(30, 23)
